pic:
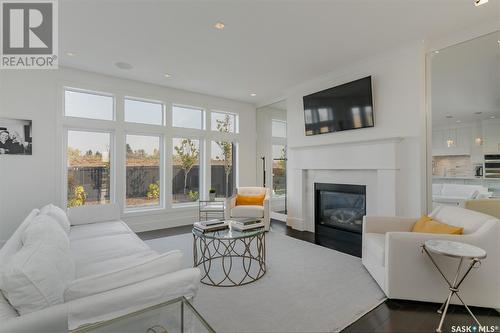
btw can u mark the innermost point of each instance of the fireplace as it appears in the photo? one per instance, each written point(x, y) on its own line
point(339, 211)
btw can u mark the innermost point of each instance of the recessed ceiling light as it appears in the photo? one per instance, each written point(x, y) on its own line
point(167, 75)
point(219, 26)
point(70, 54)
point(459, 121)
point(492, 117)
point(253, 94)
point(436, 52)
point(479, 2)
point(123, 65)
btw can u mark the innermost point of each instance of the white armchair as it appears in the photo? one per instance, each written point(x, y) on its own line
point(392, 255)
point(261, 212)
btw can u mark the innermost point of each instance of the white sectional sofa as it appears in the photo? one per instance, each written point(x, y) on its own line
point(392, 255)
point(55, 277)
point(457, 194)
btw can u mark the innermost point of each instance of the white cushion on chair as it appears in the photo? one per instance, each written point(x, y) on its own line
point(15, 243)
point(251, 191)
point(247, 211)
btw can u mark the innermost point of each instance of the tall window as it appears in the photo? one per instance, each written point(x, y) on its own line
point(88, 163)
point(143, 171)
point(279, 128)
point(143, 112)
point(279, 170)
point(187, 117)
point(88, 105)
point(224, 122)
point(223, 167)
point(185, 170)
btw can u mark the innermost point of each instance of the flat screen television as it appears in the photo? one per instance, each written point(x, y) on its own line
point(345, 107)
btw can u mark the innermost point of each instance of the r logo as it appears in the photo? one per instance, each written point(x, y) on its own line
point(27, 28)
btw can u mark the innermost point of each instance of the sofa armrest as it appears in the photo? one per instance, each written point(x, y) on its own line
point(117, 302)
point(104, 306)
point(382, 224)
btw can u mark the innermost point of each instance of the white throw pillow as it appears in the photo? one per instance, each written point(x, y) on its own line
point(57, 214)
point(141, 270)
point(36, 276)
point(14, 243)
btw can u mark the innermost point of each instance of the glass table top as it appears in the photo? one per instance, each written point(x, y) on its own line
point(228, 233)
point(455, 249)
point(174, 316)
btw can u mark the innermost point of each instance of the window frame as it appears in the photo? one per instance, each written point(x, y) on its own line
point(203, 116)
point(112, 161)
point(236, 121)
point(90, 92)
point(139, 99)
point(201, 176)
point(119, 129)
point(161, 202)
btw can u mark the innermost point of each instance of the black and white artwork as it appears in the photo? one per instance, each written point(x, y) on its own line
point(15, 137)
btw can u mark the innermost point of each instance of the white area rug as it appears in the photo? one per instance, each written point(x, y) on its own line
point(307, 288)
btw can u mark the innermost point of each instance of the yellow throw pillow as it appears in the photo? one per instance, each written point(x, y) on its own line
point(428, 225)
point(242, 200)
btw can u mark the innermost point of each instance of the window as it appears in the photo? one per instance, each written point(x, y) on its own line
point(88, 163)
point(185, 170)
point(224, 122)
point(187, 117)
point(143, 112)
point(88, 105)
point(142, 171)
point(279, 128)
point(223, 168)
point(279, 170)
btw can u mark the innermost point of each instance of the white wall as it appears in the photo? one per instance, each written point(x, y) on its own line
point(27, 182)
point(398, 94)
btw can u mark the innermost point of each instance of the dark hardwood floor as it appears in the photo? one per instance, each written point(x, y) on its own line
point(390, 316)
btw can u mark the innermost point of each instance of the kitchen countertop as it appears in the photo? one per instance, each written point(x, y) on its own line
point(466, 178)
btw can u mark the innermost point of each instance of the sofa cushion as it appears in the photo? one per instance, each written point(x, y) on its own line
point(138, 271)
point(252, 191)
point(460, 217)
point(93, 250)
point(36, 276)
point(14, 243)
point(57, 214)
point(374, 245)
point(112, 264)
point(428, 225)
point(93, 213)
point(247, 211)
point(98, 229)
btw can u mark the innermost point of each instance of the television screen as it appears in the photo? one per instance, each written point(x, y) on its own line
point(345, 107)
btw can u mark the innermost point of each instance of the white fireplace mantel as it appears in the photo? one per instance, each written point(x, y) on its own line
point(372, 163)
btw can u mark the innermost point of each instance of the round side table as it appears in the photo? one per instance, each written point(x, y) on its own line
point(454, 250)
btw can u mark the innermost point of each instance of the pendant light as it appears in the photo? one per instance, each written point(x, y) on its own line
point(449, 141)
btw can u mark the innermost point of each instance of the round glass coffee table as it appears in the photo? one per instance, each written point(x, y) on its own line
point(229, 258)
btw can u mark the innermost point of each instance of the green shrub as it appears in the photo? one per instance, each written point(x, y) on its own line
point(153, 191)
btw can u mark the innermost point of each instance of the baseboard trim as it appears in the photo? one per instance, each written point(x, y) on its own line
point(295, 223)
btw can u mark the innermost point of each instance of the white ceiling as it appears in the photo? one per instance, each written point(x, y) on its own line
point(465, 80)
point(267, 46)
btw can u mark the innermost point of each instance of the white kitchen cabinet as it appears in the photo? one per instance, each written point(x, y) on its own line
point(491, 132)
point(461, 135)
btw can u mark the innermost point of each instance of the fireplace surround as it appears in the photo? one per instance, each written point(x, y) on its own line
point(338, 215)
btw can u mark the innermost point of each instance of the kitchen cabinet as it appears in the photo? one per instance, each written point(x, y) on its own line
point(491, 132)
point(462, 136)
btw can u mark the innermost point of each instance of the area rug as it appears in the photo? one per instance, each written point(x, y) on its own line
point(307, 288)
